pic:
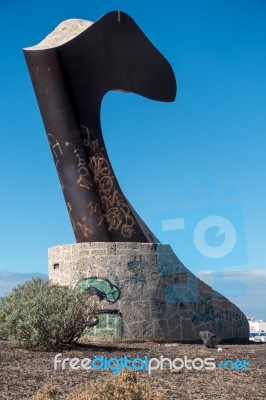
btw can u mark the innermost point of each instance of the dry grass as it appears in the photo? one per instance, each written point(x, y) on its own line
point(47, 392)
point(125, 386)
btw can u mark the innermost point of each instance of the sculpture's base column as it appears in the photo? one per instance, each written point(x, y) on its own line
point(144, 292)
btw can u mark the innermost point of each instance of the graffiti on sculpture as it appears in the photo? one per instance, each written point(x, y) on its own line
point(100, 286)
point(132, 266)
point(117, 213)
point(205, 313)
point(109, 321)
point(70, 78)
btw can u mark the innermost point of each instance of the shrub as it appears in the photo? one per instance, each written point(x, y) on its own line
point(124, 386)
point(36, 314)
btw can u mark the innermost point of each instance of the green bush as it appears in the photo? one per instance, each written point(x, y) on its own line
point(36, 314)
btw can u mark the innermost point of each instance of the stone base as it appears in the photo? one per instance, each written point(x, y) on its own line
point(145, 293)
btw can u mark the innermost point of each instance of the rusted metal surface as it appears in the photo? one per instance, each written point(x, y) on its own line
point(70, 81)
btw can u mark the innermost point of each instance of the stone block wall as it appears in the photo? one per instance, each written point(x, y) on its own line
point(144, 292)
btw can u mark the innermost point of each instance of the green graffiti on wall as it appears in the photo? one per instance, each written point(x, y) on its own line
point(109, 321)
point(109, 325)
point(102, 287)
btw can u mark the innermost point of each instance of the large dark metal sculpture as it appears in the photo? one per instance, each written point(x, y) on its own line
point(70, 81)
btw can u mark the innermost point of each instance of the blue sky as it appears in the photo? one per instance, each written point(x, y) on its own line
point(200, 156)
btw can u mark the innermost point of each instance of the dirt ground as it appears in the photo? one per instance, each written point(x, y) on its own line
point(23, 372)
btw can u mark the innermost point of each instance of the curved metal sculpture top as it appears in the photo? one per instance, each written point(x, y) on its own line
point(70, 80)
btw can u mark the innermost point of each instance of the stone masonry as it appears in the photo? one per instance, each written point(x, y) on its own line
point(145, 293)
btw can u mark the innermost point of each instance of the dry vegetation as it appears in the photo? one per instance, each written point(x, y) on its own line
point(124, 386)
point(29, 374)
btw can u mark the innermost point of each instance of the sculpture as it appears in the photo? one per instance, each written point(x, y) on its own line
point(70, 80)
point(144, 290)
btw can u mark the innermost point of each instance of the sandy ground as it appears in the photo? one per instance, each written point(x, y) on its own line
point(23, 372)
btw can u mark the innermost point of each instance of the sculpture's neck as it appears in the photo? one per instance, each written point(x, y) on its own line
point(70, 76)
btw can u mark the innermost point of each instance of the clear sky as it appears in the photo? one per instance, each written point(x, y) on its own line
point(186, 162)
